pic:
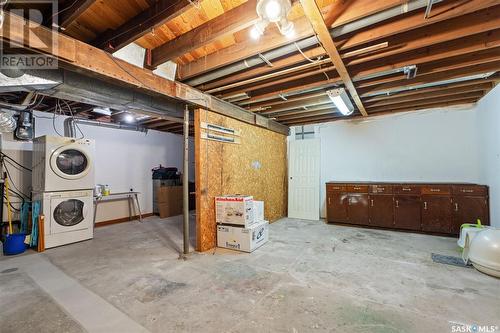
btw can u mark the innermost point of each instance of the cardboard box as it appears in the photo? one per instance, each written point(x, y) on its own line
point(234, 209)
point(258, 211)
point(165, 210)
point(169, 201)
point(243, 239)
point(168, 194)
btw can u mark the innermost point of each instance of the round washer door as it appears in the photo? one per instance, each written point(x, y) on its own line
point(70, 162)
point(69, 213)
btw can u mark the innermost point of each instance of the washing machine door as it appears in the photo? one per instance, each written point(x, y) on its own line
point(70, 162)
point(70, 214)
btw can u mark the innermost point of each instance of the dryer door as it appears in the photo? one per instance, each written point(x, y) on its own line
point(70, 162)
point(70, 214)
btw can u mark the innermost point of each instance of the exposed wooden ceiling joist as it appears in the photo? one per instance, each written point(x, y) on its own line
point(236, 19)
point(273, 39)
point(69, 13)
point(427, 95)
point(281, 64)
point(250, 48)
point(485, 84)
point(160, 12)
point(318, 24)
point(414, 20)
point(327, 118)
point(433, 77)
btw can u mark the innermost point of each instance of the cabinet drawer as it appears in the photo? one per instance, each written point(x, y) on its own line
point(436, 189)
point(407, 189)
point(470, 190)
point(381, 189)
point(357, 188)
point(335, 187)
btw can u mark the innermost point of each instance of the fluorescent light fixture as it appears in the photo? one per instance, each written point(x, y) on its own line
point(341, 100)
point(102, 111)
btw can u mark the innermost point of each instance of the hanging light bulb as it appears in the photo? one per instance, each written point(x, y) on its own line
point(258, 29)
point(254, 33)
point(128, 118)
point(273, 10)
point(286, 28)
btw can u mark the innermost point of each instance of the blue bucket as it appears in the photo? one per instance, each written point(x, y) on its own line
point(14, 244)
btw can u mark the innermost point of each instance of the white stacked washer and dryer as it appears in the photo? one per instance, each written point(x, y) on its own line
point(63, 181)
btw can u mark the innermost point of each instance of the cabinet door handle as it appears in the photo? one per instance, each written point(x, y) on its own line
point(456, 207)
point(329, 201)
point(397, 203)
point(372, 202)
point(425, 204)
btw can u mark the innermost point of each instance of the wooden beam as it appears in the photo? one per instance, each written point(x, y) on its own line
point(73, 9)
point(280, 64)
point(236, 19)
point(473, 84)
point(449, 30)
point(443, 65)
point(461, 46)
point(324, 119)
point(444, 99)
point(414, 20)
point(274, 83)
point(273, 39)
point(161, 12)
point(316, 19)
point(246, 49)
point(240, 51)
point(78, 56)
point(466, 45)
point(433, 77)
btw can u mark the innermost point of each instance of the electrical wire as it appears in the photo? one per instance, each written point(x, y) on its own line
point(14, 161)
point(19, 192)
point(304, 55)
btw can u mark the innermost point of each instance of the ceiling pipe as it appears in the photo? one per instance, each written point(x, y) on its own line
point(71, 123)
point(308, 42)
point(337, 83)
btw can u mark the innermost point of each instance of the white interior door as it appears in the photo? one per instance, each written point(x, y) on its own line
point(303, 179)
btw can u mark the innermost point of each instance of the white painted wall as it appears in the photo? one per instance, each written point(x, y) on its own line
point(431, 145)
point(488, 114)
point(123, 160)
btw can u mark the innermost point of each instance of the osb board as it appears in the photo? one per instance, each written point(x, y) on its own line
point(256, 166)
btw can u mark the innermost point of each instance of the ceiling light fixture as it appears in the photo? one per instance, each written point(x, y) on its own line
point(273, 11)
point(128, 118)
point(341, 100)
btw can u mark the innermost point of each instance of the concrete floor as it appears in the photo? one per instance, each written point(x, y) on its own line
point(309, 277)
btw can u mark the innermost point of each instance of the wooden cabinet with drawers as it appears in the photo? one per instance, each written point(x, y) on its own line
point(433, 208)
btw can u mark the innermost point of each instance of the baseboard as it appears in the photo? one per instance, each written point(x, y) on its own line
point(121, 220)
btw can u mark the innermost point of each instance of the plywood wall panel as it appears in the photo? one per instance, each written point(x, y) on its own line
point(256, 166)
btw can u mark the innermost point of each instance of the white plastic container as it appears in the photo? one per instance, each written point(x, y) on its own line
point(484, 251)
point(234, 209)
point(243, 239)
point(464, 231)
